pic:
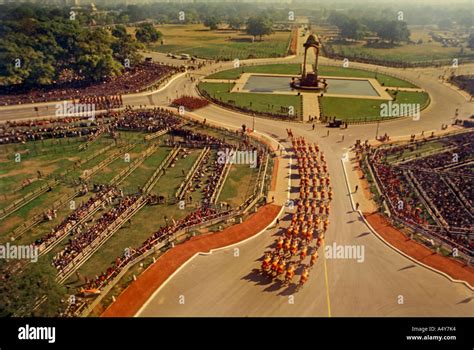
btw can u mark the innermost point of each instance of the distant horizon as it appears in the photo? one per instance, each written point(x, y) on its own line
point(269, 2)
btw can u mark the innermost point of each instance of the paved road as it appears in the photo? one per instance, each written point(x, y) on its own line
point(221, 284)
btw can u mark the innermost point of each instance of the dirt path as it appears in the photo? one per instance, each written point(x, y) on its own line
point(453, 268)
point(134, 296)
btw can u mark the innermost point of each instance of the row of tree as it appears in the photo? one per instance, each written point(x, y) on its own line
point(255, 25)
point(43, 50)
point(391, 30)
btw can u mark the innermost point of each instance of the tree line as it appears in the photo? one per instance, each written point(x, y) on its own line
point(48, 47)
point(391, 30)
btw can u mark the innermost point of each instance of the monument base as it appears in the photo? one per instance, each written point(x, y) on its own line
point(305, 84)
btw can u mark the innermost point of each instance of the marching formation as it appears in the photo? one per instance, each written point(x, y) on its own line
point(296, 250)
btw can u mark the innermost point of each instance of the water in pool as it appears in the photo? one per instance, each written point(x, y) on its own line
point(350, 87)
point(261, 83)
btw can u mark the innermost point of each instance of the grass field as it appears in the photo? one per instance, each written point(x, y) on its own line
point(351, 109)
point(411, 53)
point(238, 184)
point(51, 157)
point(256, 102)
point(197, 40)
point(421, 98)
point(54, 156)
point(292, 68)
point(427, 147)
point(383, 79)
point(348, 109)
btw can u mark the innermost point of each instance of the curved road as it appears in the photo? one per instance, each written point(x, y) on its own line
point(384, 284)
point(221, 284)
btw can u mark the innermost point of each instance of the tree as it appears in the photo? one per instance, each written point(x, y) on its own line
point(135, 13)
point(350, 28)
point(394, 31)
point(19, 292)
point(470, 42)
point(36, 50)
point(445, 24)
point(259, 26)
point(124, 46)
point(211, 22)
point(119, 31)
point(147, 33)
point(235, 22)
point(96, 60)
point(466, 20)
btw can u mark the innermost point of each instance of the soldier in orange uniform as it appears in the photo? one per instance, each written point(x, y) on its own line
point(290, 273)
point(303, 253)
point(314, 258)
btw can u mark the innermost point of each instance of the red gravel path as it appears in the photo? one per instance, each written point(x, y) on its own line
point(135, 295)
point(453, 268)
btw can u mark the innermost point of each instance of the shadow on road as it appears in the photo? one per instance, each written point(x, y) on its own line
point(407, 267)
point(363, 234)
point(259, 279)
point(291, 289)
point(465, 301)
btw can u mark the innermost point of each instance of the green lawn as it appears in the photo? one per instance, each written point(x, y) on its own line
point(139, 176)
point(352, 109)
point(255, 102)
point(53, 157)
point(236, 188)
point(424, 148)
point(107, 173)
point(132, 235)
point(33, 208)
point(170, 182)
point(421, 98)
point(426, 52)
point(280, 68)
point(238, 185)
point(383, 79)
point(197, 40)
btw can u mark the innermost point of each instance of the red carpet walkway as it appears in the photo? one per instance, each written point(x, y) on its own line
point(453, 268)
point(134, 296)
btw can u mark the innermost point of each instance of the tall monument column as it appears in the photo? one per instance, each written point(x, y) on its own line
point(309, 79)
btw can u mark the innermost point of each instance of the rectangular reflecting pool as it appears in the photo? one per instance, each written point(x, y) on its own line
point(350, 87)
point(262, 83)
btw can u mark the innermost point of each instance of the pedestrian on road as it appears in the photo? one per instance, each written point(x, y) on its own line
point(327, 134)
point(357, 187)
point(357, 206)
point(342, 138)
point(313, 126)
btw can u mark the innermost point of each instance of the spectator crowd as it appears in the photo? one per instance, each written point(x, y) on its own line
point(131, 81)
point(432, 191)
